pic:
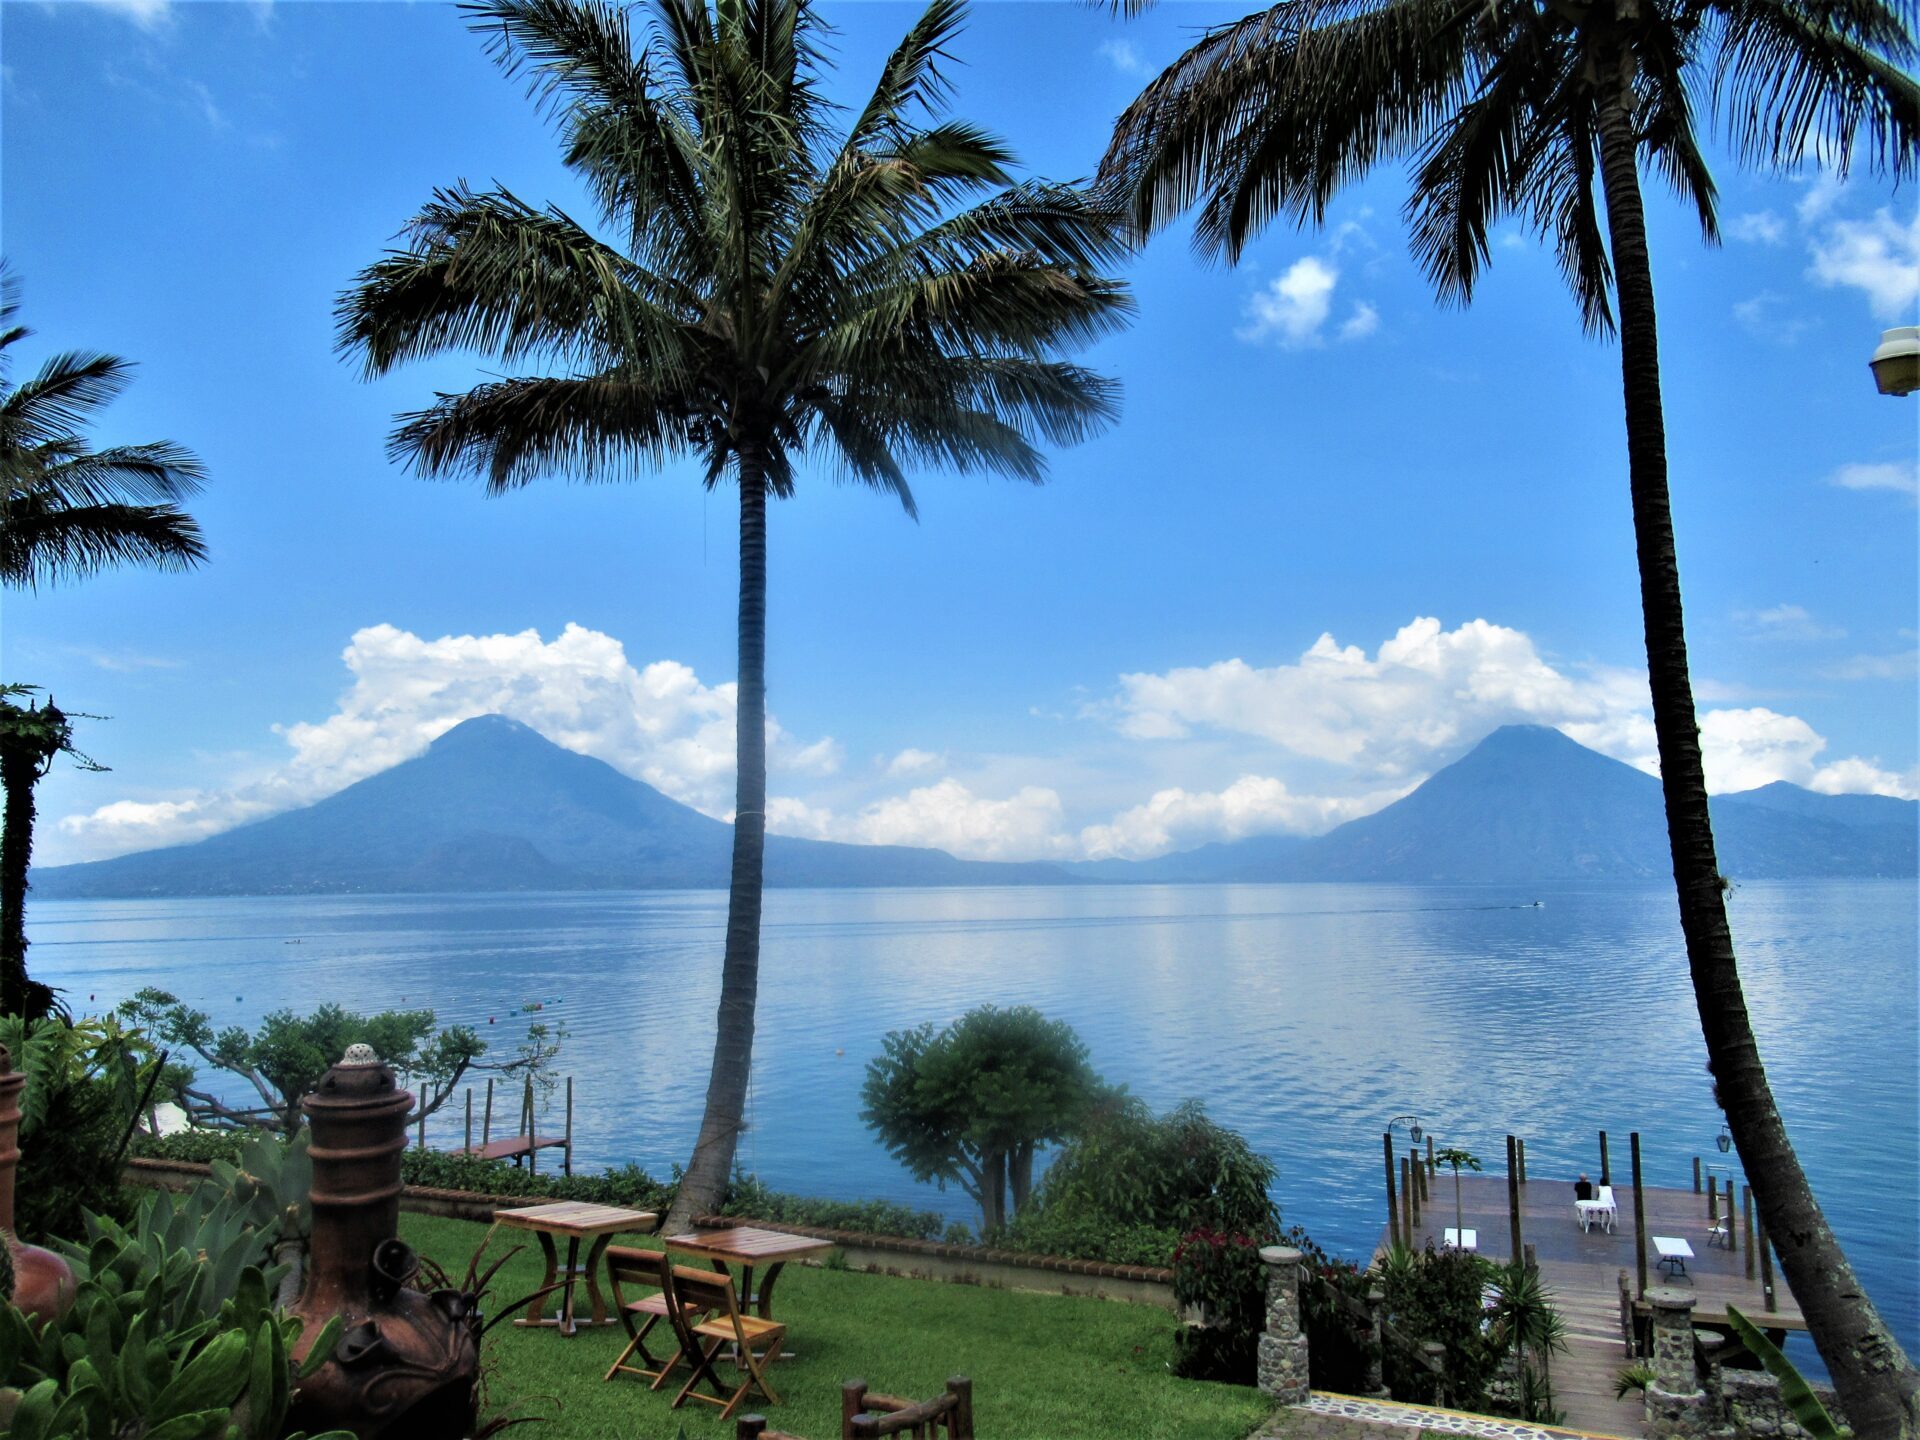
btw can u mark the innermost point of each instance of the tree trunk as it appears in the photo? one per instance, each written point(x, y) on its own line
point(20, 771)
point(1020, 1176)
point(705, 1182)
point(1878, 1387)
point(993, 1191)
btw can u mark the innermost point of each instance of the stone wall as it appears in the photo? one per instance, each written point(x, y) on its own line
point(1692, 1400)
point(1750, 1400)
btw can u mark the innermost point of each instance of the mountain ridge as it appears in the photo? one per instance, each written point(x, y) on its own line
point(492, 805)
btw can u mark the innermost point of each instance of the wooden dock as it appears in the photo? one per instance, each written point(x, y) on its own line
point(1583, 1270)
point(515, 1147)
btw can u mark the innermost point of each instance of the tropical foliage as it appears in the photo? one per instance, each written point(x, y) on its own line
point(1547, 112)
point(973, 1102)
point(769, 288)
point(283, 1058)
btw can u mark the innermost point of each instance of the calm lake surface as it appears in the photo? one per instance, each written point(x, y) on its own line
point(1304, 1016)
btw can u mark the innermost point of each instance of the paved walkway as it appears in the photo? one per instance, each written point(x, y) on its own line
point(1327, 1416)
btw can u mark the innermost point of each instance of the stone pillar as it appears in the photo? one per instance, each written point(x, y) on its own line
point(1283, 1349)
point(1676, 1405)
point(1377, 1357)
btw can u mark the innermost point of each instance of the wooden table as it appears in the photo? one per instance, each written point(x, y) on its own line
point(1452, 1239)
point(577, 1221)
point(1674, 1253)
point(747, 1247)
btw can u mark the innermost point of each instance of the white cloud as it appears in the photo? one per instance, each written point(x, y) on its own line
point(1424, 692)
point(1760, 316)
point(1901, 478)
point(1879, 256)
point(913, 762)
point(657, 722)
point(1361, 323)
point(1293, 306)
point(1124, 56)
point(1786, 622)
point(1760, 227)
point(147, 14)
point(1744, 749)
point(1178, 819)
point(1029, 824)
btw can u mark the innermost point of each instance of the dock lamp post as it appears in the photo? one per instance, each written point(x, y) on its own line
point(1412, 1122)
point(1896, 364)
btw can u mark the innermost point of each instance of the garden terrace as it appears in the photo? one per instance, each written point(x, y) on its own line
point(1058, 1367)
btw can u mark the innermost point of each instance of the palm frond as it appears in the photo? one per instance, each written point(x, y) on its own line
point(60, 400)
point(41, 544)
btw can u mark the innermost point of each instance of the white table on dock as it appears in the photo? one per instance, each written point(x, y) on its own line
point(1451, 1240)
point(1592, 1212)
point(1673, 1253)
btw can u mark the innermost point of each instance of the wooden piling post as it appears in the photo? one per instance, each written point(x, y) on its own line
point(533, 1140)
point(486, 1122)
point(1406, 1200)
point(1746, 1224)
point(1410, 1175)
point(1606, 1174)
point(568, 1152)
point(1426, 1180)
point(1513, 1197)
point(469, 1149)
point(1639, 1216)
point(1521, 1144)
point(1713, 1200)
point(1696, 1174)
point(1432, 1168)
point(1765, 1246)
point(1393, 1200)
point(420, 1131)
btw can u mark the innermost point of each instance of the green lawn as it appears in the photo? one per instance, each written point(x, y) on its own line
point(1043, 1368)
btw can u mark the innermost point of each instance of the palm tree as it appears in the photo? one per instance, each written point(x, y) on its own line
point(1524, 107)
point(66, 511)
point(769, 289)
point(1460, 1160)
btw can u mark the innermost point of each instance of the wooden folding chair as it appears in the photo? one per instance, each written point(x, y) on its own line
point(691, 1292)
point(640, 1315)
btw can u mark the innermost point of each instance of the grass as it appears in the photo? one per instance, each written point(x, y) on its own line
point(1043, 1367)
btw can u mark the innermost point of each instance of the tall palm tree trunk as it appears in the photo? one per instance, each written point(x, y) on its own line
point(18, 774)
point(1879, 1389)
point(704, 1185)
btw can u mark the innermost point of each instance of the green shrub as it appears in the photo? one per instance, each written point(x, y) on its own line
point(1220, 1277)
point(1079, 1236)
point(1438, 1295)
point(748, 1198)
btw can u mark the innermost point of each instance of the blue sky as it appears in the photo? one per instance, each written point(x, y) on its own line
point(1338, 535)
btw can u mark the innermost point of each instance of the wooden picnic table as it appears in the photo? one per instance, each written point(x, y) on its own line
point(576, 1220)
point(747, 1247)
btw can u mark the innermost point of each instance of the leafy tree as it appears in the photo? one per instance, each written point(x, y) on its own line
point(32, 737)
point(1180, 1171)
point(67, 510)
point(1547, 111)
point(973, 1102)
point(288, 1054)
point(770, 289)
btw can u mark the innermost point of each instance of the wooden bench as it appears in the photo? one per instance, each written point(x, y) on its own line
point(865, 1415)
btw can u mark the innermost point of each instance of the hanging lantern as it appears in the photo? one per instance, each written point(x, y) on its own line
point(1724, 1139)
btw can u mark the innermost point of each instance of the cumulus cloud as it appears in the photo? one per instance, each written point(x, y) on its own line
point(1293, 306)
point(1902, 479)
point(1176, 819)
point(1124, 56)
point(1744, 749)
point(1361, 323)
point(1901, 665)
point(658, 722)
point(913, 762)
point(1763, 317)
point(947, 815)
point(1760, 227)
point(1393, 716)
point(1879, 256)
point(1423, 692)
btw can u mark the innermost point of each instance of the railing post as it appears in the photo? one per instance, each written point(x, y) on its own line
point(1513, 1198)
point(1283, 1348)
point(1393, 1200)
point(1606, 1175)
point(1676, 1405)
point(1436, 1354)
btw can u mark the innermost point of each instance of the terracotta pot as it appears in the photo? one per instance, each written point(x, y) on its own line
point(408, 1364)
point(42, 1284)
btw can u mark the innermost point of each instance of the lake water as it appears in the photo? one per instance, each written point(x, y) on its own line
point(1304, 1016)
